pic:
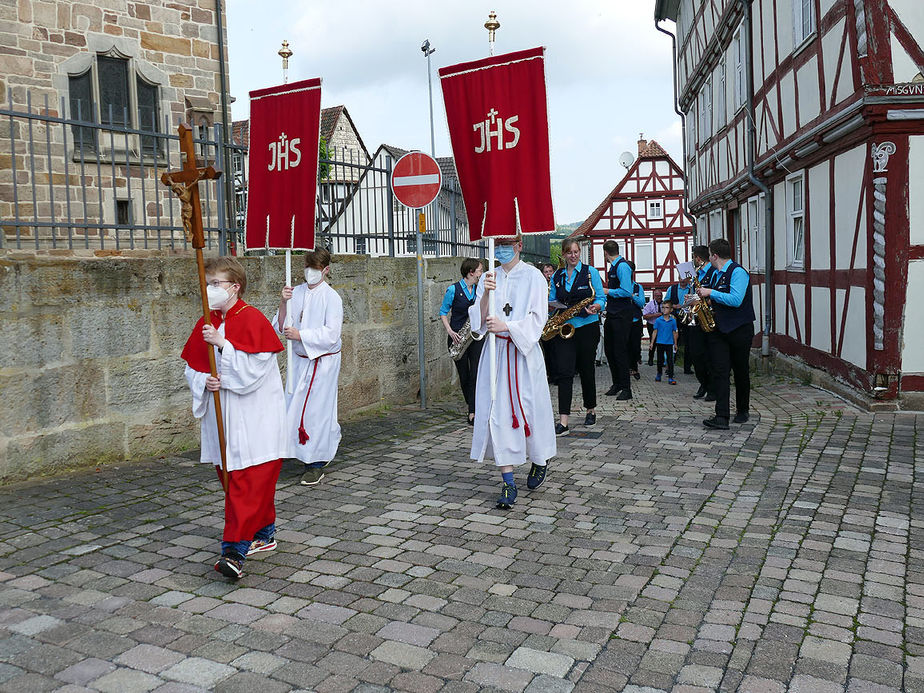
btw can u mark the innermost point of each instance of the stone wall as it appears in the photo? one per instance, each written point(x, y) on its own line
point(89, 351)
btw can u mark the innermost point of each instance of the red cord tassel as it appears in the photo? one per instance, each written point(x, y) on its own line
point(526, 428)
point(302, 435)
point(516, 422)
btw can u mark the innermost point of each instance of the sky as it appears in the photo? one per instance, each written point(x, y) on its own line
point(608, 73)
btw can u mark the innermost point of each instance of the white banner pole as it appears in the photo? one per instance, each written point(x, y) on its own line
point(492, 307)
point(290, 382)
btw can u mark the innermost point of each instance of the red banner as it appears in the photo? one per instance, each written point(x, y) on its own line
point(498, 125)
point(285, 123)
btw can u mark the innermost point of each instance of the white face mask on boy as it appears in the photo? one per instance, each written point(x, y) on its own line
point(218, 296)
point(313, 276)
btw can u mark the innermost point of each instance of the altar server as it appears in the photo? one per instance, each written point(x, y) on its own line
point(518, 426)
point(252, 405)
point(312, 428)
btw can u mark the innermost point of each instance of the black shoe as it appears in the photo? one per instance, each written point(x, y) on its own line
point(612, 391)
point(636, 375)
point(700, 393)
point(741, 418)
point(231, 566)
point(561, 430)
point(536, 476)
point(625, 394)
point(471, 419)
point(590, 419)
point(709, 397)
point(507, 497)
point(719, 422)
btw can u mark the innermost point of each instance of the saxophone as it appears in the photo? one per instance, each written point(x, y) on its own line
point(557, 325)
point(700, 313)
point(456, 349)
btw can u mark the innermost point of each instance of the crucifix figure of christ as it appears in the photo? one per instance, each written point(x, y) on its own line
point(508, 309)
point(185, 184)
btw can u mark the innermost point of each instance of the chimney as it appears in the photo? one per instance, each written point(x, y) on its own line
point(642, 142)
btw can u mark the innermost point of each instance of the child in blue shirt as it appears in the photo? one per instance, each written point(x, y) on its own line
point(664, 339)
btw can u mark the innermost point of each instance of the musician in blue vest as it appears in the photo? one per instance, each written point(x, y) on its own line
point(696, 338)
point(454, 312)
point(730, 342)
point(617, 329)
point(570, 285)
point(635, 339)
point(676, 294)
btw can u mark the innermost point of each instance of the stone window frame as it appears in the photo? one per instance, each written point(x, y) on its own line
point(125, 49)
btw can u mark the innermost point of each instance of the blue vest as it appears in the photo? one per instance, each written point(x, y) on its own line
point(673, 295)
point(580, 288)
point(460, 305)
point(616, 306)
point(726, 317)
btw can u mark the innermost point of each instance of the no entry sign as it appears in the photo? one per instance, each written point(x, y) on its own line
point(416, 179)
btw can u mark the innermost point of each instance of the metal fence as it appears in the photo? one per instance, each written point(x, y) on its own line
point(73, 183)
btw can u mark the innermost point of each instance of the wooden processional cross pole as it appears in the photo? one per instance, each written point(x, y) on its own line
point(185, 184)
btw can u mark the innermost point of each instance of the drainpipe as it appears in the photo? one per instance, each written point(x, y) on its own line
point(768, 197)
point(225, 127)
point(683, 123)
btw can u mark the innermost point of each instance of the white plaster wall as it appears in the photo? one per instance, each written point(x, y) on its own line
point(848, 179)
point(797, 314)
point(779, 226)
point(819, 214)
point(644, 169)
point(779, 309)
point(784, 27)
point(630, 186)
point(821, 319)
point(788, 97)
point(830, 52)
point(809, 98)
point(826, 5)
point(757, 294)
point(662, 168)
point(915, 191)
point(903, 67)
point(605, 224)
point(854, 349)
point(913, 333)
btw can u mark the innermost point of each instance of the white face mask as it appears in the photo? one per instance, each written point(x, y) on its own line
point(313, 276)
point(218, 296)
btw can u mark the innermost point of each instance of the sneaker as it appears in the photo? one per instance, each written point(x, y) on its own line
point(741, 417)
point(700, 393)
point(612, 391)
point(658, 378)
point(590, 419)
point(709, 397)
point(230, 566)
point(671, 381)
point(312, 476)
point(536, 476)
point(718, 422)
point(561, 430)
point(507, 497)
point(625, 394)
point(261, 545)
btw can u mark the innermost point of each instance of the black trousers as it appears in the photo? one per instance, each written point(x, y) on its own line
point(730, 352)
point(467, 368)
point(683, 345)
point(635, 346)
point(576, 354)
point(699, 353)
point(666, 355)
point(616, 333)
point(649, 327)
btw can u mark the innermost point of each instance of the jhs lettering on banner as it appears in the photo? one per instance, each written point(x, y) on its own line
point(497, 129)
point(284, 153)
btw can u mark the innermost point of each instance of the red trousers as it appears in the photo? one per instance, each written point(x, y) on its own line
point(250, 504)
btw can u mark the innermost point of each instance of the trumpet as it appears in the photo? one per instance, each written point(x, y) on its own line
point(557, 325)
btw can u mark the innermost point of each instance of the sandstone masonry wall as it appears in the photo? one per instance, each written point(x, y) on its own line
point(90, 368)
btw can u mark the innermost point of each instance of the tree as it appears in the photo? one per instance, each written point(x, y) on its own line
point(323, 159)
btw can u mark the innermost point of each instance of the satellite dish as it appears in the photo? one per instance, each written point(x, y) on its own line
point(626, 159)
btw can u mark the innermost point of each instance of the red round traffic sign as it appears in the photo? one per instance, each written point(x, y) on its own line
point(416, 179)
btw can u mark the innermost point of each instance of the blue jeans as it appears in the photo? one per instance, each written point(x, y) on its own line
point(242, 547)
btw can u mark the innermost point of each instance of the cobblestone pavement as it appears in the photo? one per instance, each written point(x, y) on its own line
point(657, 556)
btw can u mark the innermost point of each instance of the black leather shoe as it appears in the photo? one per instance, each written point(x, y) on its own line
point(636, 375)
point(612, 391)
point(709, 397)
point(561, 430)
point(719, 422)
point(700, 393)
point(741, 418)
point(590, 419)
point(625, 394)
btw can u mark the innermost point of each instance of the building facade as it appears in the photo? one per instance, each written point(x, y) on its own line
point(646, 214)
point(803, 137)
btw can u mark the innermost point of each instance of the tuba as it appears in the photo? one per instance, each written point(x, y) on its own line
point(456, 349)
point(557, 325)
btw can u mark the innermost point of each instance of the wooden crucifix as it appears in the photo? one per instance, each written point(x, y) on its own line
point(185, 185)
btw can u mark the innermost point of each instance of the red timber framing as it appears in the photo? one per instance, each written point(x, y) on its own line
point(825, 106)
point(645, 214)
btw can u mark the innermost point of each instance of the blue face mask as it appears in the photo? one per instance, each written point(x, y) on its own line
point(504, 253)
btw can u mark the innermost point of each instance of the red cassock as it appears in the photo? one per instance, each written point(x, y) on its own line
point(498, 125)
point(250, 501)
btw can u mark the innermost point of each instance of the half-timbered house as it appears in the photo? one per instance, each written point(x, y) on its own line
point(804, 136)
point(645, 214)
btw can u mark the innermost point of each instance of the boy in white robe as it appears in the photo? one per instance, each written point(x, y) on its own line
point(519, 424)
point(316, 312)
point(252, 407)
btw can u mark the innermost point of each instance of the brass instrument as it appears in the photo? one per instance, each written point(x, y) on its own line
point(456, 349)
point(557, 325)
point(700, 312)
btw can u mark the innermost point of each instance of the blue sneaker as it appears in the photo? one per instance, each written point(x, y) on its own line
point(507, 497)
point(536, 476)
point(658, 378)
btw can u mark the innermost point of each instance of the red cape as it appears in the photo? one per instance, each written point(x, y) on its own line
point(246, 328)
